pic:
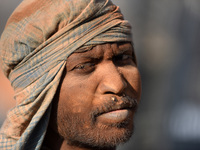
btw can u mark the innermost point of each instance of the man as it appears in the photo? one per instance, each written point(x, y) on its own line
point(73, 69)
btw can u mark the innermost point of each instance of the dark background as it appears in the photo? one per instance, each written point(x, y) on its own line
point(167, 39)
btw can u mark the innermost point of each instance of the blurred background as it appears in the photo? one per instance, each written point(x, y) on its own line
point(167, 43)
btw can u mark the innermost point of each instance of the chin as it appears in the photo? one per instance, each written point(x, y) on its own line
point(102, 137)
point(94, 133)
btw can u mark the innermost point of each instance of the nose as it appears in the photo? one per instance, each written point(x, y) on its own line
point(112, 80)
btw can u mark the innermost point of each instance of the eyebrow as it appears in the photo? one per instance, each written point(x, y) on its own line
point(85, 54)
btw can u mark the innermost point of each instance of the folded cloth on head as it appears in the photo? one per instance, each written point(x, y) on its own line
point(37, 40)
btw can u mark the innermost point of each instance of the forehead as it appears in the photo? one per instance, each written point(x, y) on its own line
point(108, 49)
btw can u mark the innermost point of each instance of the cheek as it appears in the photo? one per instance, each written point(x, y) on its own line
point(133, 78)
point(76, 98)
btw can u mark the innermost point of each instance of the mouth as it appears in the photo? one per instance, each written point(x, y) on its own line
point(116, 115)
point(124, 109)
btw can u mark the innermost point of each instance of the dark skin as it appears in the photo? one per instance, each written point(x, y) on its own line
point(84, 115)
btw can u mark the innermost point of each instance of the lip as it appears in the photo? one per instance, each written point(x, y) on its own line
point(118, 111)
point(116, 115)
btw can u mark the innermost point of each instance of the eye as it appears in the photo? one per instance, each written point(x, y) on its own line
point(84, 67)
point(80, 66)
point(123, 59)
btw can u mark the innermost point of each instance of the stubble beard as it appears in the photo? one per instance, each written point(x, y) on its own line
point(79, 130)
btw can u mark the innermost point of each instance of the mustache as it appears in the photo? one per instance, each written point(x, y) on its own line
point(123, 102)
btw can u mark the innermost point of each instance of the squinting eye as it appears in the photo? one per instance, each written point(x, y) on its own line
point(85, 67)
point(123, 59)
point(81, 66)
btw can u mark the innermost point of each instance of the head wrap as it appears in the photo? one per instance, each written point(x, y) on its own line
point(38, 38)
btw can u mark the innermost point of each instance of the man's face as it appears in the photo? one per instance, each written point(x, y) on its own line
point(98, 96)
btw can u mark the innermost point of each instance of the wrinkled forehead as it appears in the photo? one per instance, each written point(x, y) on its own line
point(98, 51)
point(117, 45)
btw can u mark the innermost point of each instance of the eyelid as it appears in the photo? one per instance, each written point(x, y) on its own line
point(128, 56)
point(88, 61)
point(124, 59)
point(81, 65)
point(122, 56)
point(84, 68)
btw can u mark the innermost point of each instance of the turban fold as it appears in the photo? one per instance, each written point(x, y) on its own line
point(38, 38)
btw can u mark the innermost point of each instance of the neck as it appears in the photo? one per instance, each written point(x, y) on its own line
point(54, 142)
